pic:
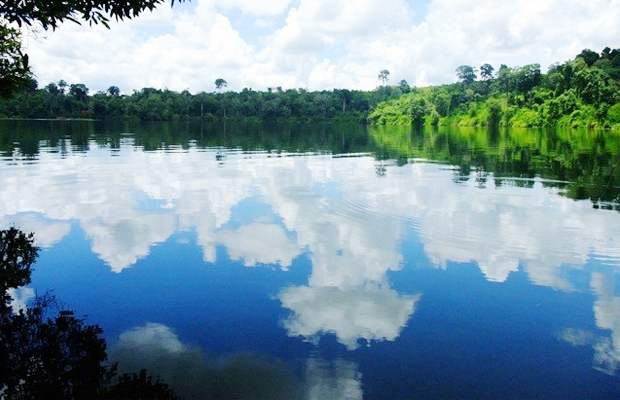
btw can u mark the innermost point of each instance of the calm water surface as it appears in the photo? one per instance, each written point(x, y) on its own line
point(330, 262)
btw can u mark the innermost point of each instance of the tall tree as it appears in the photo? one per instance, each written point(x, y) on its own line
point(404, 86)
point(114, 91)
point(220, 83)
point(486, 71)
point(79, 91)
point(384, 76)
point(466, 74)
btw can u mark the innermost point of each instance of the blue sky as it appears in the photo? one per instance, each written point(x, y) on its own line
point(319, 44)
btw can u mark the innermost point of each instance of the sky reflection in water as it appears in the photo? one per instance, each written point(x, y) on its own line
point(373, 279)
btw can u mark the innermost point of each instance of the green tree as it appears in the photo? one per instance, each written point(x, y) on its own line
point(79, 91)
point(419, 110)
point(526, 78)
point(220, 83)
point(486, 71)
point(62, 85)
point(14, 66)
point(384, 76)
point(52, 89)
point(466, 74)
point(589, 56)
point(404, 86)
point(114, 91)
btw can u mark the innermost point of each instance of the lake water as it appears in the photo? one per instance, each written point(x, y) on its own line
point(322, 262)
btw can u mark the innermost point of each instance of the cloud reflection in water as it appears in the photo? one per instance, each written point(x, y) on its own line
point(241, 376)
point(350, 221)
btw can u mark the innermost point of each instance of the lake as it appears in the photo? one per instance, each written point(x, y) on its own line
point(330, 261)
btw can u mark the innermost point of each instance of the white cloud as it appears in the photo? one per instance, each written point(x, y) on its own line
point(367, 312)
point(607, 315)
point(320, 44)
point(48, 233)
point(260, 243)
point(257, 8)
point(606, 345)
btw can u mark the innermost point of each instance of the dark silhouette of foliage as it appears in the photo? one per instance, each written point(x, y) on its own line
point(50, 13)
point(14, 67)
point(140, 386)
point(49, 353)
point(220, 83)
point(17, 253)
point(486, 71)
point(384, 76)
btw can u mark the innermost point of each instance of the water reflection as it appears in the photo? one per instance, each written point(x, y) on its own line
point(247, 244)
point(140, 201)
point(241, 376)
point(607, 315)
point(193, 376)
point(353, 224)
point(366, 312)
point(332, 379)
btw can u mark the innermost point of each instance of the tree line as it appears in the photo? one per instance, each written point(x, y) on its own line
point(63, 100)
point(583, 92)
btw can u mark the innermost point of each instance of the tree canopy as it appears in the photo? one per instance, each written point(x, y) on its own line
point(384, 76)
point(466, 74)
point(580, 93)
point(220, 83)
point(14, 66)
point(50, 13)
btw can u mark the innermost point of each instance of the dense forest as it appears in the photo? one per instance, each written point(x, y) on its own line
point(584, 92)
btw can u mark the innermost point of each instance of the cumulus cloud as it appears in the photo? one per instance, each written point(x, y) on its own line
point(320, 44)
point(48, 232)
point(368, 313)
point(248, 243)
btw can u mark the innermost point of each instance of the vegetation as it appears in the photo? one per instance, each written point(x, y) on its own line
point(60, 100)
point(582, 164)
point(584, 92)
point(47, 352)
point(14, 67)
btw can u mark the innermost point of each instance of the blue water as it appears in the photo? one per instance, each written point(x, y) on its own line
point(318, 275)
